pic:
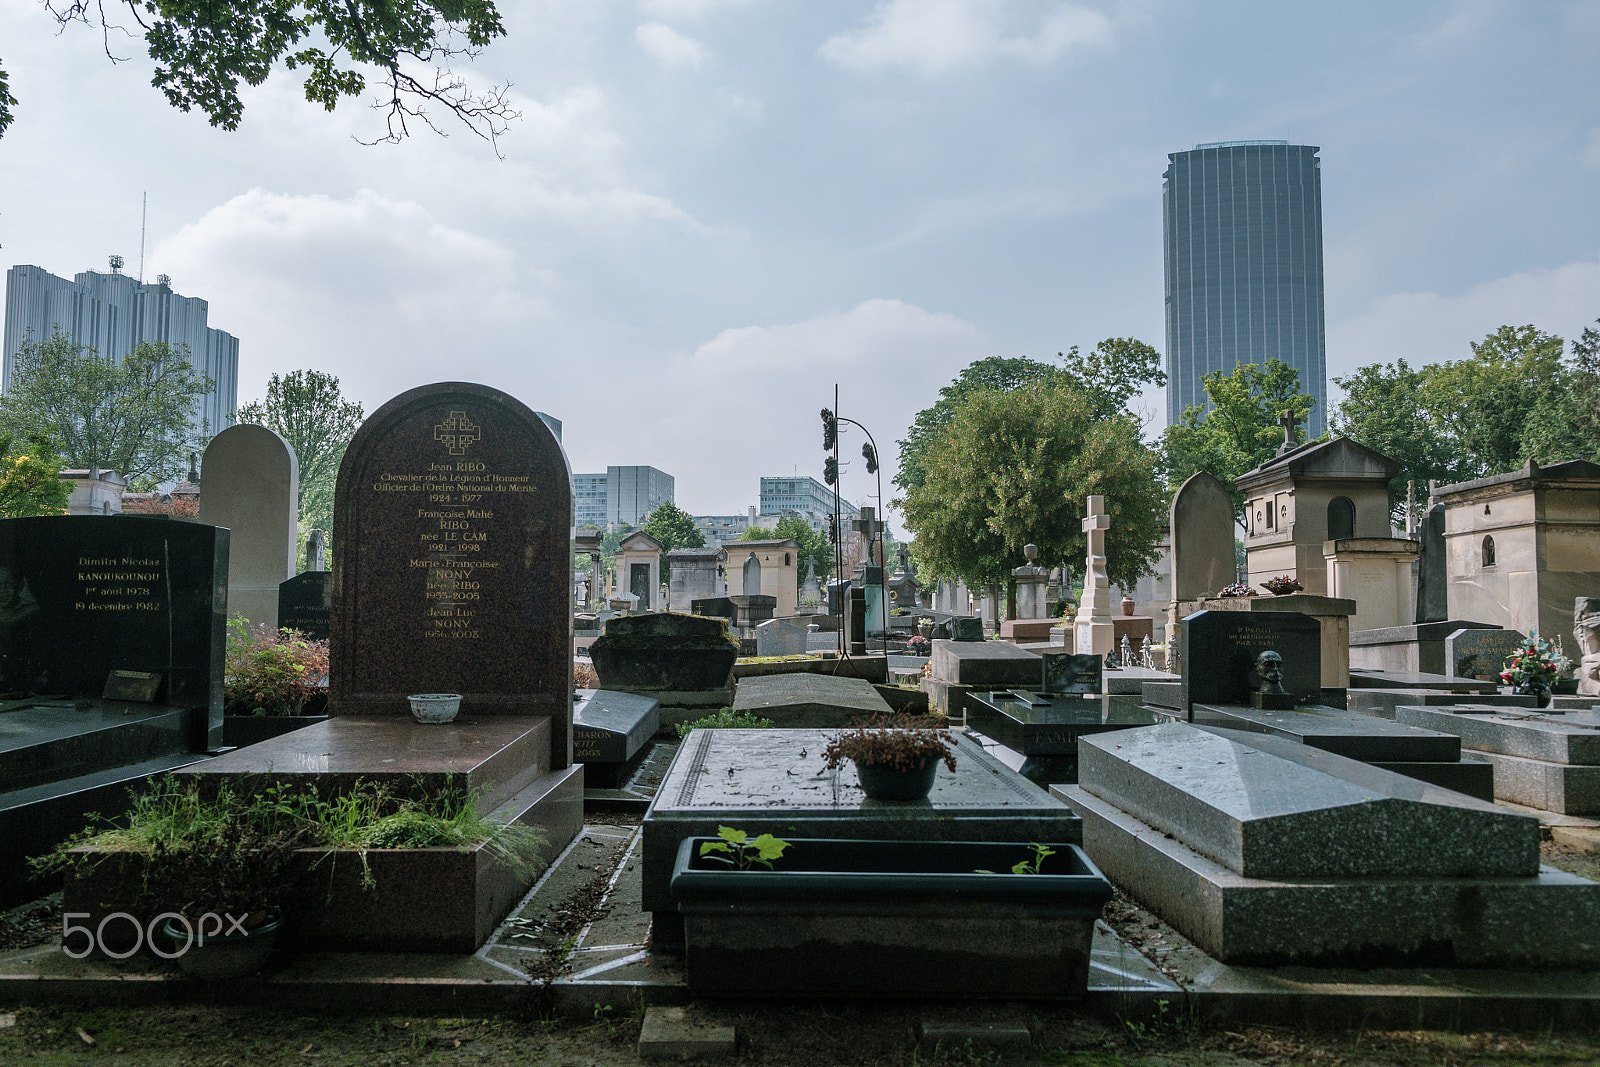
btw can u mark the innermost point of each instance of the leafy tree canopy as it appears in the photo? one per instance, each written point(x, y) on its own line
point(1241, 430)
point(134, 416)
point(673, 527)
point(1017, 466)
point(30, 478)
point(1514, 399)
point(1110, 375)
point(308, 410)
point(203, 51)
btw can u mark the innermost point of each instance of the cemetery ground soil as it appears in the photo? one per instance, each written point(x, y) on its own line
point(776, 1034)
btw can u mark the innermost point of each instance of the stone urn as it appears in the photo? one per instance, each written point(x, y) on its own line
point(1127, 605)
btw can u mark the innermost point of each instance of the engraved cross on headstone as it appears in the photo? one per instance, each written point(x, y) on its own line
point(457, 432)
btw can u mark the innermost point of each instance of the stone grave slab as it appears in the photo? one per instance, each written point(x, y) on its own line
point(1131, 680)
point(781, 637)
point(611, 733)
point(1419, 680)
point(775, 781)
point(985, 663)
point(1510, 732)
point(1564, 788)
point(809, 700)
point(1382, 702)
point(1219, 649)
point(1347, 733)
point(452, 569)
point(1375, 922)
point(1019, 631)
point(305, 603)
point(1042, 730)
point(1264, 808)
point(498, 755)
point(665, 653)
point(1163, 695)
point(1479, 653)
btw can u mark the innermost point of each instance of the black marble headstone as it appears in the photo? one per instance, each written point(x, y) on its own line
point(84, 595)
point(305, 603)
point(966, 628)
point(1432, 603)
point(1065, 672)
point(1219, 650)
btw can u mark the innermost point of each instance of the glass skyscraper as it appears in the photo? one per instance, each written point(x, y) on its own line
point(1244, 266)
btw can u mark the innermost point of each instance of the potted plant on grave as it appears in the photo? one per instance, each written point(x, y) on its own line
point(892, 762)
point(1282, 585)
point(919, 645)
point(1532, 668)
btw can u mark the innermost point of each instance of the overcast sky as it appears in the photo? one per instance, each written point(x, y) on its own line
point(713, 210)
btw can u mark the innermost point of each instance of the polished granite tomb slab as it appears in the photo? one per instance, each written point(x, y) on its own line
point(1360, 679)
point(1541, 759)
point(809, 700)
point(611, 732)
point(986, 663)
point(1382, 702)
point(774, 781)
point(497, 755)
point(1043, 729)
point(1347, 733)
point(1267, 807)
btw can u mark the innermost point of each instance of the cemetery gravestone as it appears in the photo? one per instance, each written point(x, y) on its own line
point(1093, 629)
point(450, 572)
point(82, 596)
point(1220, 649)
point(250, 485)
point(305, 604)
point(1203, 560)
point(1432, 577)
point(1479, 653)
point(1068, 673)
point(780, 637)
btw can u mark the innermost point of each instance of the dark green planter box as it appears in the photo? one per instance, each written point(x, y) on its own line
point(890, 919)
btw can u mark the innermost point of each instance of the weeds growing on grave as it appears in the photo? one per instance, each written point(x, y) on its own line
point(269, 671)
point(738, 849)
point(170, 821)
point(726, 719)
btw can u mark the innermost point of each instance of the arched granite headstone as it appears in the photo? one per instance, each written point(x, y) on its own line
point(250, 484)
point(453, 548)
point(1203, 558)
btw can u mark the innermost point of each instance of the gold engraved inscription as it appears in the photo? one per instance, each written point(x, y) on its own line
point(110, 584)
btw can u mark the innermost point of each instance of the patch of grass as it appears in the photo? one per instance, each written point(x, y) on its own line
point(726, 719)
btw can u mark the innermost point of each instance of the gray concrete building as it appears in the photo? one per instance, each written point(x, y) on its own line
point(1243, 255)
point(113, 313)
point(622, 496)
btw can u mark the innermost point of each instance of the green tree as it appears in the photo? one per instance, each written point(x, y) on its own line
point(134, 416)
point(674, 528)
point(1114, 372)
point(307, 409)
point(203, 51)
point(995, 372)
point(814, 547)
point(1241, 430)
point(1017, 466)
point(1514, 399)
point(30, 478)
point(758, 533)
point(8, 103)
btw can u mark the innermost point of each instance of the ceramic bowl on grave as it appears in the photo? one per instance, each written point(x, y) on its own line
point(435, 707)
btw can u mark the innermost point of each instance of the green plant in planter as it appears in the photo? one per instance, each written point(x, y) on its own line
point(271, 672)
point(739, 849)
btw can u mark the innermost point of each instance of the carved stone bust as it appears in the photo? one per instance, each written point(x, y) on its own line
point(1586, 630)
point(1271, 695)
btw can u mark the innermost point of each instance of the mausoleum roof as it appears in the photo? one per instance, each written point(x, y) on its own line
point(1340, 458)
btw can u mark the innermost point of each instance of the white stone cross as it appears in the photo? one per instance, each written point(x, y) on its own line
point(1093, 632)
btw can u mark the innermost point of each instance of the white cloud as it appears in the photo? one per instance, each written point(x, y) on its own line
point(686, 9)
point(752, 409)
point(1427, 327)
point(934, 36)
point(374, 289)
point(671, 48)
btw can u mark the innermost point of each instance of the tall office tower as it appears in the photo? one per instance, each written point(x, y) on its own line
point(1244, 266)
point(113, 314)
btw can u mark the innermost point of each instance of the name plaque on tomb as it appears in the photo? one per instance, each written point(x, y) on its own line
point(305, 604)
point(450, 571)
